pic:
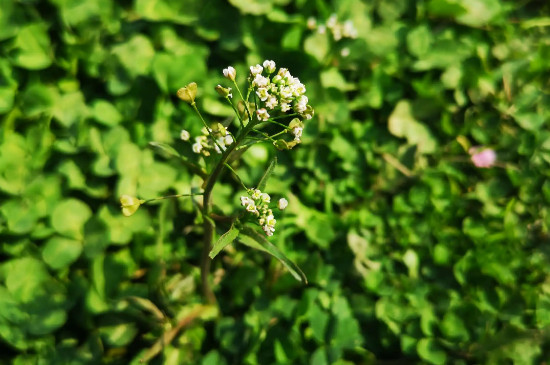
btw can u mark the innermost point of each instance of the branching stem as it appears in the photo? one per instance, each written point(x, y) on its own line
point(209, 227)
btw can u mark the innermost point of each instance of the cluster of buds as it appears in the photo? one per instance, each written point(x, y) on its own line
point(211, 140)
point(337, 29)
point(257, 203)
point(278, 91)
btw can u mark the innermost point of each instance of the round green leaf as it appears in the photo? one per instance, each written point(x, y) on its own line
point(69, 216)
point(24, 278)
point(60, 252)
point(20, 215)
point(105, 113)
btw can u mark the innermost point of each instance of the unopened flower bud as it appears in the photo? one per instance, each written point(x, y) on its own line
point(262, 114)
point(282, 204)
point(229, 73)
point(184, 135)
point(228, 140)
point(221, 129)
point(254, 70)
point(269, 66)
point(188, 93)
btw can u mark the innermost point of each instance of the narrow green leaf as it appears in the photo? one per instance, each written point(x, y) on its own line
point(251, 238)
point(252, 243)
point(147, 305)
point(223, 241)
point(165, 148)
point(267, 174)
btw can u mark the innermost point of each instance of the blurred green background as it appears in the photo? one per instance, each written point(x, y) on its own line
point(413, 254)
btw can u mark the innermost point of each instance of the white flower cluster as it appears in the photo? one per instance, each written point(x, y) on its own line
point(257, 203)
point(204, 143)
point(338, 30)
point(280, 91)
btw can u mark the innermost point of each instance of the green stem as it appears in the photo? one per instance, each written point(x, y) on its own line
point(171, 197)
point(250, 144)
point(285, 116)
point(194, 105)
point(236, 111)
point(267, 136)
point(209, 228)
point(245, 101)
point(279, 124)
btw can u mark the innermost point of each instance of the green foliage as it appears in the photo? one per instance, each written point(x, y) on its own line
point(412, 254)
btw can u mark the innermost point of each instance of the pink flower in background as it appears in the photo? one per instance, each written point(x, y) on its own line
point(483, 157)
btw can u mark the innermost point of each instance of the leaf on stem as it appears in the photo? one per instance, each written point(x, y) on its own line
point(223, 241)
point(169, 150)
point(267, 174)
point(251, 238)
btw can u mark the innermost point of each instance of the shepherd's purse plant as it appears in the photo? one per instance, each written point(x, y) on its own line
point(273, 109)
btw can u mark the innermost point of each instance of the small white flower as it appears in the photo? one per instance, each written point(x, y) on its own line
point(256, 194)
point(282, 204)
point(271, 102)
point(197, 147)
point(332, 21)
point(254, 70)
point(228, 140)
point(285, 106)
point(251, 207)
point(299, 89)
point(245, 201)
point(297, 131)
point(286, 92)
point(300, 108)
point(220, 143)
point(270, 220)
point(345, 52)
point(184, 135)
point(284, 73)
point(349, 30)
point(311, 23)
point(265, 198)
point(262, 114)
point(337, 33)
point(268, 230)
point(260, 81)
point(262, 93)
point(230, 73)
point(269, 66)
